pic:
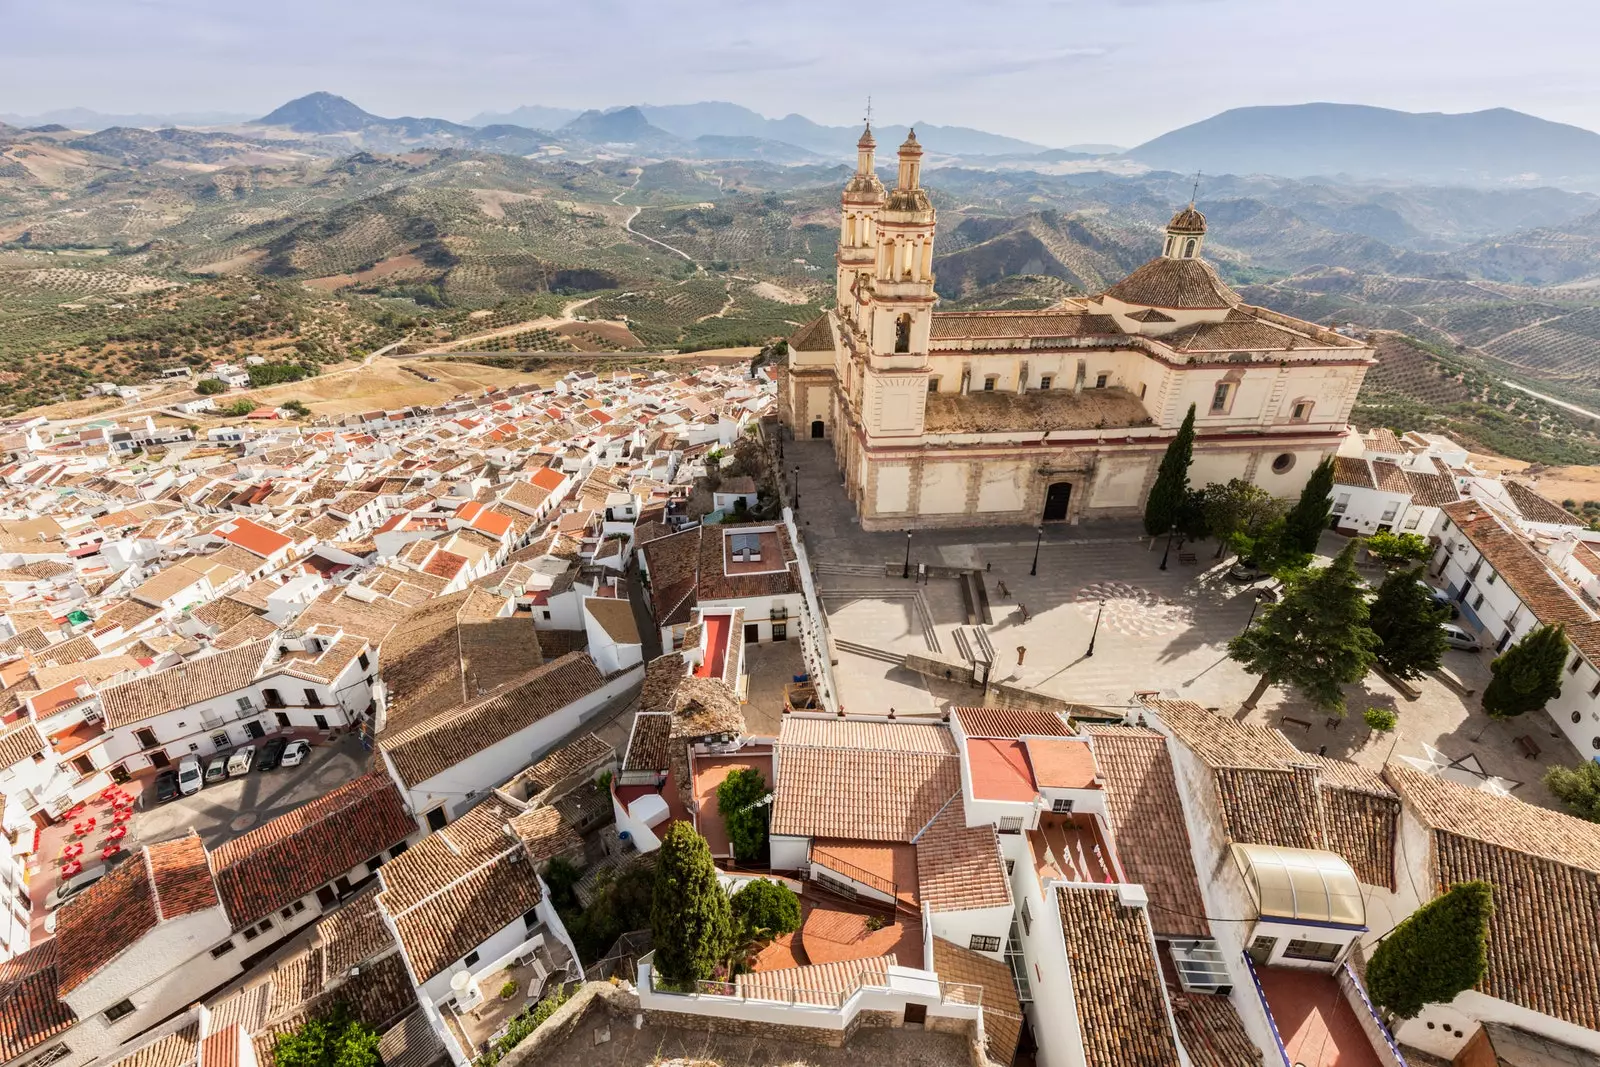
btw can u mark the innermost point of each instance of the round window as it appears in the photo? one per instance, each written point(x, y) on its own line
point(1284, 463)
point(1594, 742)
point(1577, 716)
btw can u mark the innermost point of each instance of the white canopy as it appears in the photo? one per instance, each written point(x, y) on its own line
point(1305, 884)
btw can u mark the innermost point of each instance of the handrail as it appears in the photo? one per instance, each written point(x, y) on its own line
point(854, 873)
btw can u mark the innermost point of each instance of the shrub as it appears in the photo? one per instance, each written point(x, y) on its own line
point(1382, 720)
point(769, 906)
point(210, 386)
point(1439, 951)
point(1578, 788)
point(744, 817)
point(508, 990)
point(334, 1039)
point(298, 407)
point(240, 408)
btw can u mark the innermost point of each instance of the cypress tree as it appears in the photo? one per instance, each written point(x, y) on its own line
point(689, 914)
point(1316, 638)
point(1440, 950)
point(1406, 620)
point(1309, 517)
point(1528, 675)
point(1170, 493)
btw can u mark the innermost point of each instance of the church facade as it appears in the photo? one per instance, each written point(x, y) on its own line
point(996, 417)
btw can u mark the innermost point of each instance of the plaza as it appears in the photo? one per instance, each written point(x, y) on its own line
point(1159, 631)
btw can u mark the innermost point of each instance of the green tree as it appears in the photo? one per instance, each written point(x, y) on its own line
point(1393, 550)
point(334, 1039)
point(298, 407)
point(1440, 950)
point(742, 816)
point(1407, 621)
point(1316, 638)
point(210, 386)
point(689, 915)
point(1578, 788)
point(1271, 549)
point(1163, 507)
point(240, 407)
point(1309, 517)
point(769, 906)
point(1238, 507)
point(1527, 676)
point(1380, 720)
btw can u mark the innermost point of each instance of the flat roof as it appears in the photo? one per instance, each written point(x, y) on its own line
point(1000, 769)
point(1062, 763)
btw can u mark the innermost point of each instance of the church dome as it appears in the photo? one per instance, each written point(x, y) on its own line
point(1175, 285)
point(867, 140)
point(1187, 221)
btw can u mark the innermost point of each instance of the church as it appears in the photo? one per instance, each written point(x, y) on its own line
point(991, 417)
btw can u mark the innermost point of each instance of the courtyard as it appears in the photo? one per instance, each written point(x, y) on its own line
point(1157, 631)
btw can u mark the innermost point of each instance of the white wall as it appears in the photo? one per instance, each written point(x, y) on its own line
point(960, 926)
point(788, 853)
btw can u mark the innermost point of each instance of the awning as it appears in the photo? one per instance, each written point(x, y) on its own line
point(1301, 884)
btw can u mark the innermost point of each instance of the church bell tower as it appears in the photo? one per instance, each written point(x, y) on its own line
point(860, 204)
point(903, 297)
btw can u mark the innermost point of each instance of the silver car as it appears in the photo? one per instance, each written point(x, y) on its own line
point(1456, 637)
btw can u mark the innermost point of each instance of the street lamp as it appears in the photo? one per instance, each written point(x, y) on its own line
point(905, 571)
point(797, 487)
point(1255, 603)
point(1096, 631)
point(1168, 551)
point(1034, 570)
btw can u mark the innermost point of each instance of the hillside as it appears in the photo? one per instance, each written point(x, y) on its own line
point(1482, 147)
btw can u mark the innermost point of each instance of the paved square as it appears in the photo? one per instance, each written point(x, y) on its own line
point(1163, 630)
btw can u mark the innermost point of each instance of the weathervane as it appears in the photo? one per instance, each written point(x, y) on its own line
point(1195, 193)
point(869, 109)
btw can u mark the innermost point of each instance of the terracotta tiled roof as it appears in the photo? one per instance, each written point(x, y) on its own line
point(615, 617)
point(223, 612)
point(1185, 284)
point(1544, 946)
point(973, 325)
point(378, 996)
point(105, 921)
point(860, 733)
point(1212, 1033)
point(1536, 508)
point(1009, 722)
point(1240, 329)
point(859, 793)
point(182, 876)
point(1002, 1012)
point(1148, 830)
point(177, 1049)
point(354, 933)
point(569, 759)
point(1431, 490)
point(443, 740)
point(1271, 793)
point(814, 336)
point(21, 743)
point(545, 834)
point(1353, 471)
point(203, 678)
point(1389, 477)
point(286, 858)
point(1546, 595)
point(1116, 983)
point(456, 887)
point(649, 743)
point(959, 867)
point(31, 1012)
point(803, 984)
point(698, 706)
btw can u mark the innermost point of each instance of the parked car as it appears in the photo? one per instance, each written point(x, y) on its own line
point(296, 753)
point(239, 763)
point(190, 778)
point(71, 887)
point(1456, 637)
point(1440, 599)
point(1245, 572)
point(271, 753)
point(167, 786)
point(216, 769)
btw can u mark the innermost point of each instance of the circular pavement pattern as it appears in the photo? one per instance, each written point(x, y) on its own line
point(1132, 610)
point(242, 822)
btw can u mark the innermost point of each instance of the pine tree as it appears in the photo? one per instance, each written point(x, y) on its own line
point(689, 915)
point(1440, 950)
point(1527, 676)
point(1309, 517)
point(1406, 619)
point(1316, 638)
point(1169, 494)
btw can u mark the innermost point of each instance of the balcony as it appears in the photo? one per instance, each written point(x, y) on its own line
point(545, 962)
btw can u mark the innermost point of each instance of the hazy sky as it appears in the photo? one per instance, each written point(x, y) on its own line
point(1052, 71)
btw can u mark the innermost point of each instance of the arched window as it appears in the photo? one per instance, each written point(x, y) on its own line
point(1167, 251)
point(1188, 249)
point(902, 333)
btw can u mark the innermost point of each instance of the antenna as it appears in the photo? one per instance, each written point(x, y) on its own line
point(1195, 193)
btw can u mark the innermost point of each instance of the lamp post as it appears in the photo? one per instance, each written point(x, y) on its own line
point(1096, 631)
point(797, 487)
point(1034, 570)
point(1255, 603)
point(1168, 550)
point(905, 571)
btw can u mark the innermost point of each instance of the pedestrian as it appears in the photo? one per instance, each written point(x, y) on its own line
point(1022, 654)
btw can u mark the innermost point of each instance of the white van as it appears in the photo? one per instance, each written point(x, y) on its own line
point(189, 776)
point(239, 763)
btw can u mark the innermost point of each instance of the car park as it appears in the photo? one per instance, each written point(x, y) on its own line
point(166, 786)
point(239, 763)
point(216, 769)
point(190, 778)
point(1457, 638)
point(295, 753)
point(271, 753)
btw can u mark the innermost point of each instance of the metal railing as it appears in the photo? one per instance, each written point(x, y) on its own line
point(854, 873)
point(836, 999)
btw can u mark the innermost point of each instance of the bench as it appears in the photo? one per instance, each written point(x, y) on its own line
point(1186, 557)
point(1005, 594)
point(1292, 721)
point(1528, 747)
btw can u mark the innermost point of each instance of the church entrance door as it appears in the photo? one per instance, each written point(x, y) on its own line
point(1056, 501)
point(816, 428)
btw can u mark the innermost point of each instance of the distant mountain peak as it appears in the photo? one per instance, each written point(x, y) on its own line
point(319, 112)
point(619, 125)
